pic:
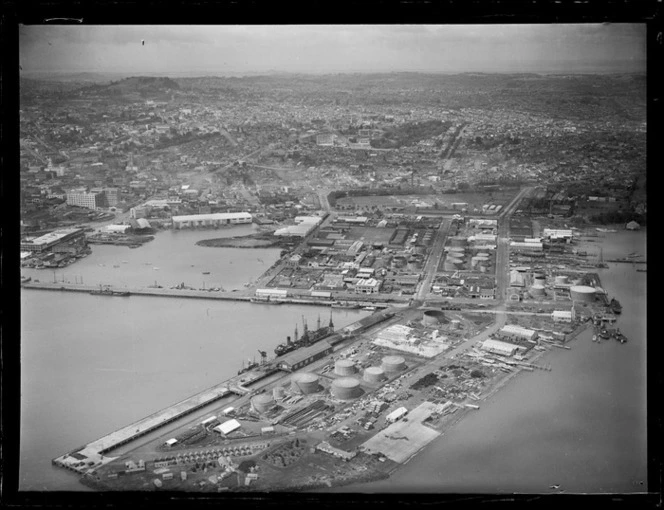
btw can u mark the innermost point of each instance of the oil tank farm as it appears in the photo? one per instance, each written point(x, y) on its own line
point(344, 367)
point(582, 293)
point(433, 317)
point(346, 388)
point(262, 403)
point(393, 364)
point(374, 375)
point(305, 383)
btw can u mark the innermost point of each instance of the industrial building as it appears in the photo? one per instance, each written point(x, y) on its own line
point(336, 452)
point(563, 315)
point(227, 427)
point(518, 331)
point(498, 347)
point(303, 226)
point(211, 220)
point(305, 356)
point(527, 246)
point(271, 293)
point(397, 414)
point(42, 243)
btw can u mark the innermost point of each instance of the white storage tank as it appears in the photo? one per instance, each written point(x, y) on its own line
point(278, 392)
point(305, 383)
point(344, 367)
point(394, 363)
point(582, 293)
point(537, 290)
point(262, 403)
point(346, 388)
point(374, 375)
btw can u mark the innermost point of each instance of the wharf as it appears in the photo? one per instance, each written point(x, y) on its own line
point(239, 295)
point(89, 457)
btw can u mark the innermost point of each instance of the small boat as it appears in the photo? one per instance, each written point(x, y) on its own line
point(594, 338)
point(615, 306)
point(155, 268)
point(206, 272)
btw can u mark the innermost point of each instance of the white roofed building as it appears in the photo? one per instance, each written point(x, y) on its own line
point(227, 427)
point(211, 220)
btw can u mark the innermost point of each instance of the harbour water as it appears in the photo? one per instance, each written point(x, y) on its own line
point(93, 364)
point(170, 259)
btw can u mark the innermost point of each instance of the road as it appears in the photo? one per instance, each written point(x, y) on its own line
point(431, 266)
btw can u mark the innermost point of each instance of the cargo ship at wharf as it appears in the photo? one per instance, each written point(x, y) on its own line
point(85, 459)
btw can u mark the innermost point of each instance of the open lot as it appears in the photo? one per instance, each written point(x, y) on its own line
point(403, 439)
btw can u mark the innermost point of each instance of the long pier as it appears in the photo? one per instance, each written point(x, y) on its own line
point(239, 295)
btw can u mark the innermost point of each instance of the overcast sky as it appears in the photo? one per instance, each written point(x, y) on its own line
point(333, 48)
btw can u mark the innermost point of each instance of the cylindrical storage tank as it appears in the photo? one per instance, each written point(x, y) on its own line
point(433, 317)
point(261, 403)
point(537, 290)
point(374, 375)
point(577, 281)
point(393, 364)
point(346, 388)
point(278, 392)
point(539, 280)
point(344, 367)
point(483, 254)
point(561, 279)
point(456, 250)
point(305, 383)
point(582, 293)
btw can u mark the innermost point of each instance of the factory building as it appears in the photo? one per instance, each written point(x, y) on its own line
point(498, 347)
point(211, 220)
point(518, 331)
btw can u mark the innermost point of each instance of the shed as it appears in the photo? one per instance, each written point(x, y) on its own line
point(227, 427)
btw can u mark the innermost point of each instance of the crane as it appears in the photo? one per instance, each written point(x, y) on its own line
point(263, 356)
